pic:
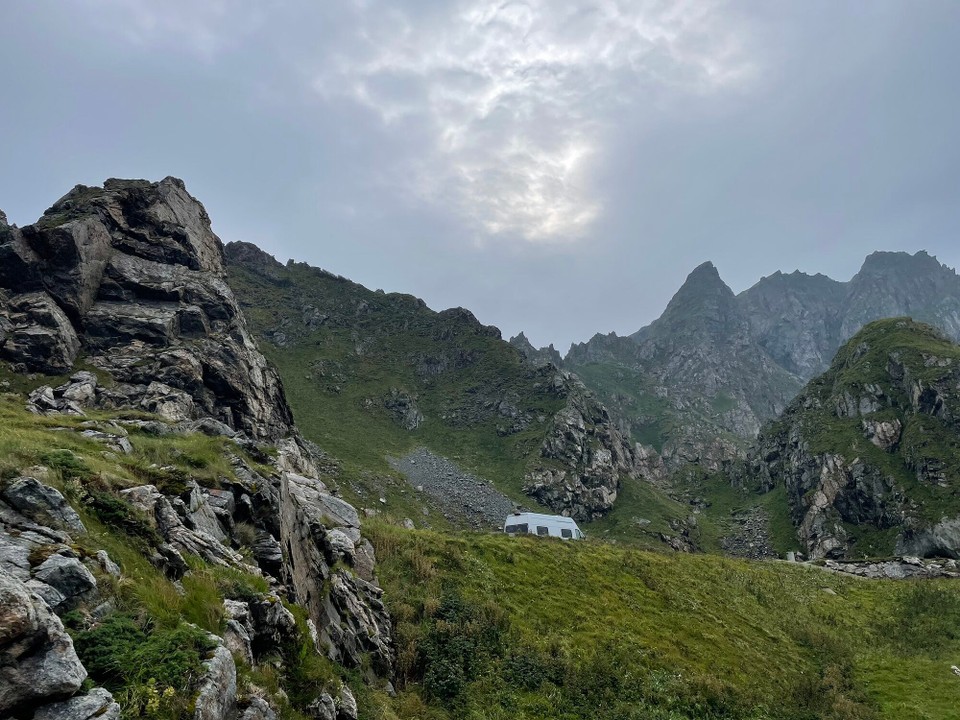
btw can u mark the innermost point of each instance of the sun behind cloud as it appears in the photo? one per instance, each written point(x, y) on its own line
point(519, 98)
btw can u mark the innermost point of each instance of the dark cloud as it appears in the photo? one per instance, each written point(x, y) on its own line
point(556, 166)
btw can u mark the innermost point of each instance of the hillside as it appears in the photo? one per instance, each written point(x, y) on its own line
point(869, 451)
point(698, 383)
point(373, 376)
point(496, 627)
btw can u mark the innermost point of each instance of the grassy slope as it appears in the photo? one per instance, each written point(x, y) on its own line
point(330, 375)
point(146, 652)
point(590, 630)
point(336, 375)
point(494, 627)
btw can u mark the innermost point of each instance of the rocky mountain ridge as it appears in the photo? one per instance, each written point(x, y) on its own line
point(698, 383)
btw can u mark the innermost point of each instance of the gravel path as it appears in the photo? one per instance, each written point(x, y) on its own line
point(455, 491)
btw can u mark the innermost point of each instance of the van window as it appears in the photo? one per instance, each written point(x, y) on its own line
point(522, 528)
point(566, 532)
point(510, 529)
point(541, 530)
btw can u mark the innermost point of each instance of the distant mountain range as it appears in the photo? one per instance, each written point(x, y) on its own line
point(698, 383)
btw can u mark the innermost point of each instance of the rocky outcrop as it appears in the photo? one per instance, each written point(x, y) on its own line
point(217, 696)
point(38, 664)
point(132, 276)
point(586, 456)
point(863, 450)
point(329, 571)
point(543, 356)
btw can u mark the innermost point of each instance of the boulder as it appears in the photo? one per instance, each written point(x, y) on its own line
point(42, 504)
point(98, 704)
point(323, 708)
point(69, 582)
point(38, 663)
point(258, 709)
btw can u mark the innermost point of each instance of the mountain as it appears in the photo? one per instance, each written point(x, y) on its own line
point(869, 450)
point(698, 382)
point(374, 376)
point(694, 382)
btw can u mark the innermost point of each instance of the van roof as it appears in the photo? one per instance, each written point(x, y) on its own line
point(540, 516)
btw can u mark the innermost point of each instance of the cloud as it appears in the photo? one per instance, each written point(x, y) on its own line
point(204, 29)
point(509, 106)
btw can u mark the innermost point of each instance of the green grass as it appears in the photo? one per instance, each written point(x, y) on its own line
point(592, 630)
point(338, 376)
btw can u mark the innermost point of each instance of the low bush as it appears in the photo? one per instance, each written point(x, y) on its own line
point(151, 670)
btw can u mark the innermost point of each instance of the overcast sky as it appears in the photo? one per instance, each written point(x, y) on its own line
point(556, 166)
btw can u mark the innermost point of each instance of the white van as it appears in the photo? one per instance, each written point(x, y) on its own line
point(544, 525)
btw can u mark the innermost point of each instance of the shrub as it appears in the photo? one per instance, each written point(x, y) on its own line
point(460, 641)
point(69, 465)
point(118, 513)
point(150, 670)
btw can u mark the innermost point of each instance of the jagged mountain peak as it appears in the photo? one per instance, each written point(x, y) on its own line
point(885, 262)
point(703, 303)
point(705, 278)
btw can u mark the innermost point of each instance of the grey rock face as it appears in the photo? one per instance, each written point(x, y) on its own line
point(37, 661)
point(132, 274)
point(881, 413)
point(347, 611)
point(543, 356)
point(40, 337)
point(68, 579)
point(941, 540)
point(696, 383)
point(587, 457)
point(258, 710)
point(98, 703)
point(42, 504)
point(323, 708)
point(217, 698)
point(181, 537)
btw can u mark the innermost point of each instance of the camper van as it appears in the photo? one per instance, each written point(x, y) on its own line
point(545, 525)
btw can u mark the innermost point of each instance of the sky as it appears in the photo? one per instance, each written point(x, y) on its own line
point(555, 166)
